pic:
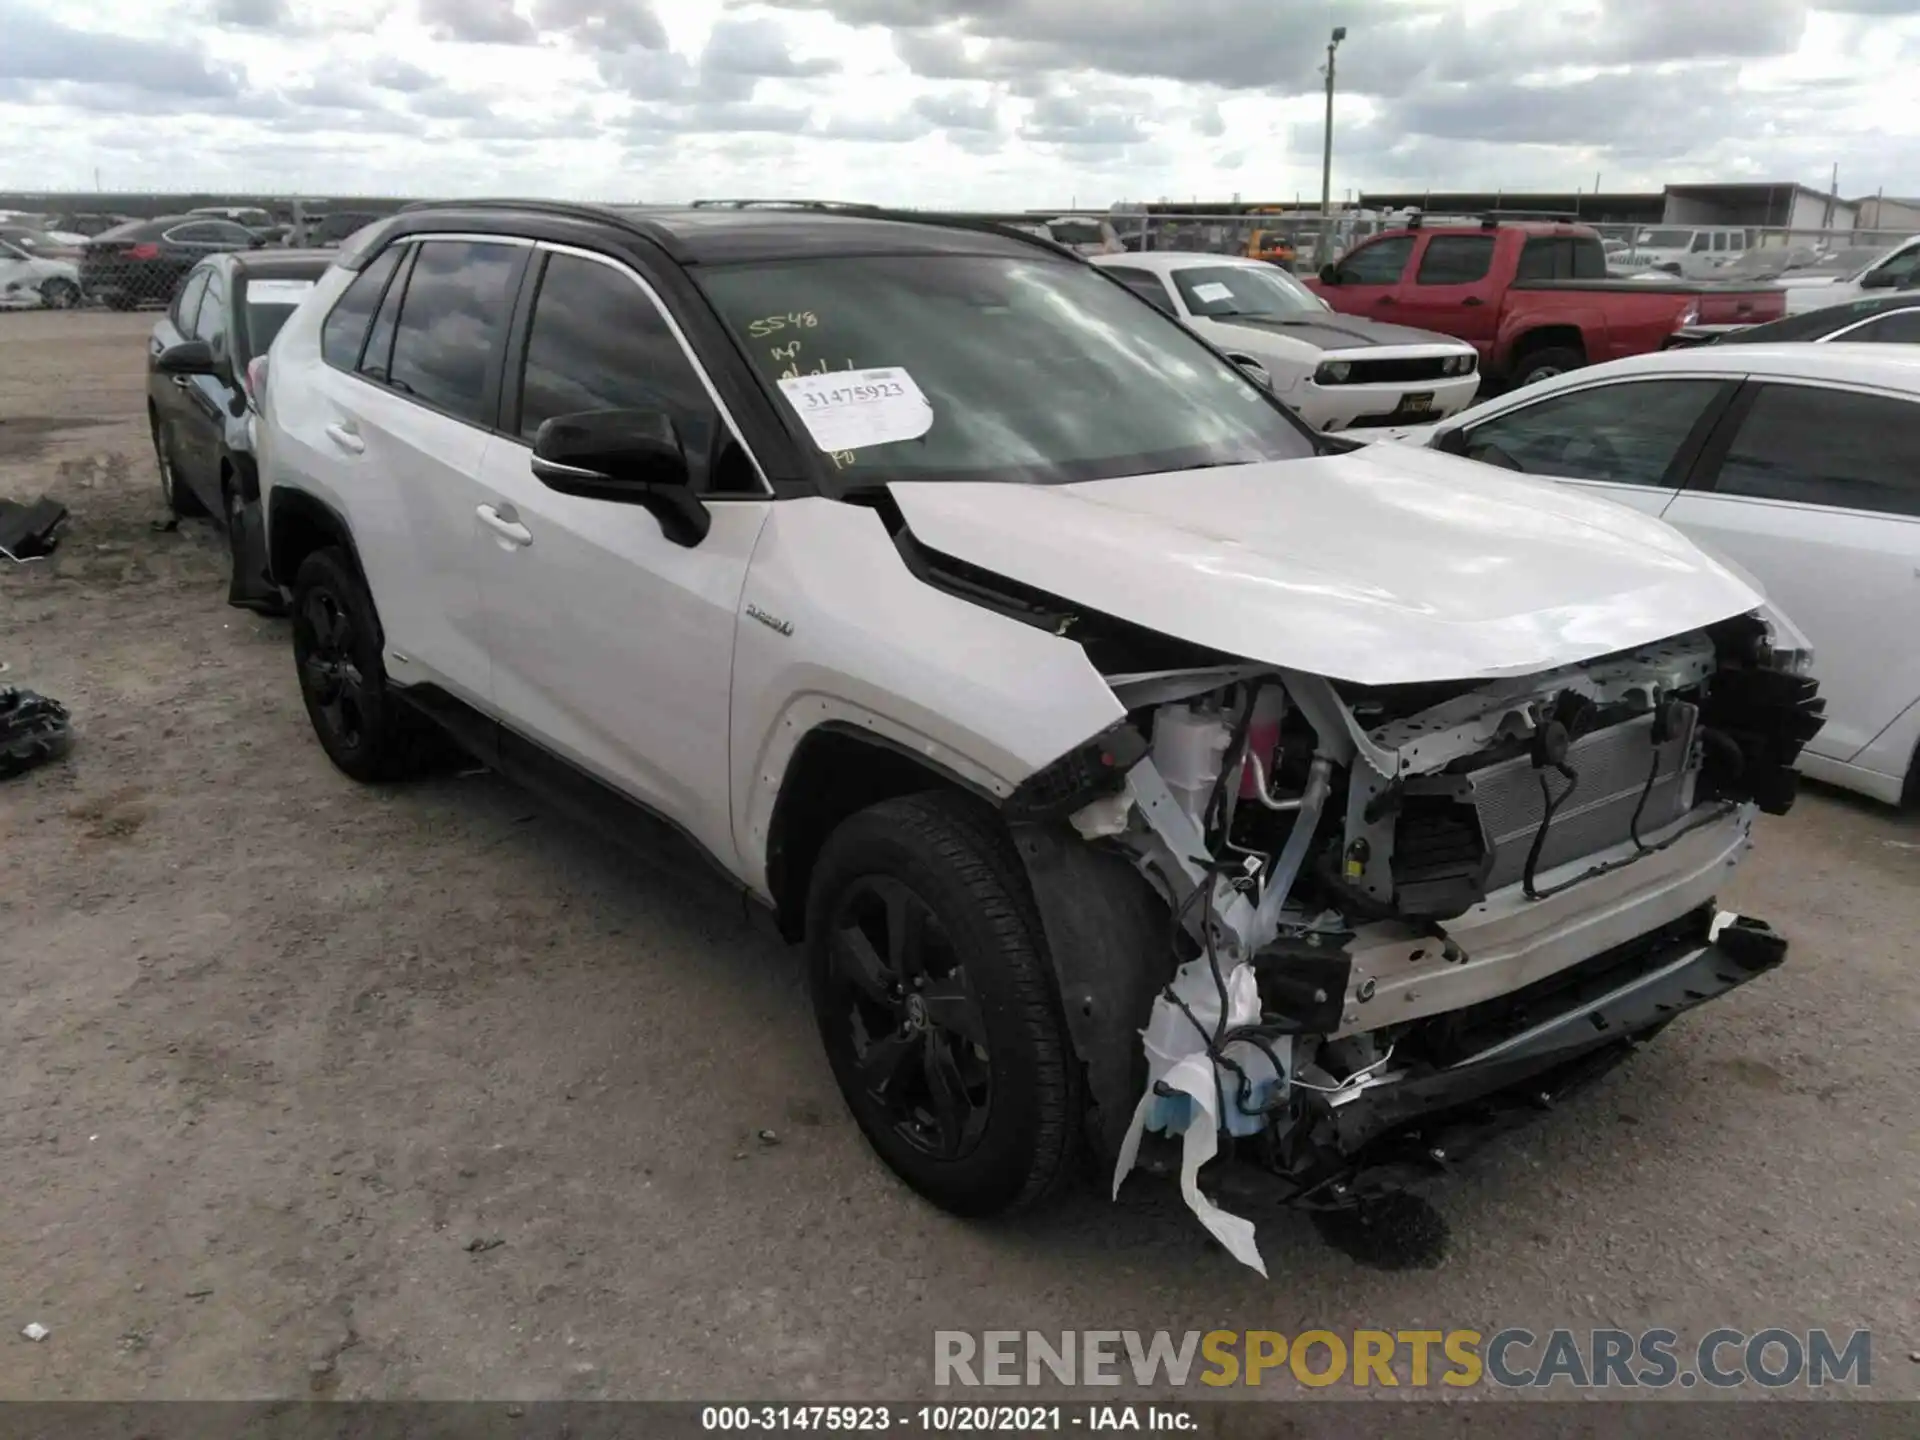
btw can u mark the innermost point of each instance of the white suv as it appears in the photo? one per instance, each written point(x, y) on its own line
point(1036, 667)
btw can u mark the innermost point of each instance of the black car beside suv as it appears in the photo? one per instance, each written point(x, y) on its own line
point(145, 260)
point(203, 364)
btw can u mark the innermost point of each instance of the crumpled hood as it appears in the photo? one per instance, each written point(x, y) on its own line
point(1339, 332)
point(1384, 566)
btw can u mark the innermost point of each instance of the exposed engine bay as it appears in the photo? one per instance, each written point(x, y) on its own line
point(1401, 910)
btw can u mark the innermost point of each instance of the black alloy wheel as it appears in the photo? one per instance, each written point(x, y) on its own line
point(918, 1037)
point(325, 643)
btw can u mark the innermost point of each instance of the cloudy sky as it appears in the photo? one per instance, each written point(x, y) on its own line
point(966, 102)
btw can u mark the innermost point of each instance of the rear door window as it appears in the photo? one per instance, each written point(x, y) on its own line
point(1455, 260)
point(452, 321)
point(345, 330)
point(1902, 327)
point(1816, 446)
point(1628, 433)
point(378, 355)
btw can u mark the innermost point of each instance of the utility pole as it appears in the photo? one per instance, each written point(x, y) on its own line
point(1326, 157)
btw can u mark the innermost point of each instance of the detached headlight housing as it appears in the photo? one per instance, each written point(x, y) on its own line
point(1332, 372)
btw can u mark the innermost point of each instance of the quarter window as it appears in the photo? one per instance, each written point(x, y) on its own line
point(1827, 447)
point(1627, 433)
point(451, 320)
point(1380, 263)
point(1456, 260)
point(345, 330)
point(186, 305)
point(210, 324)
point(598, 342)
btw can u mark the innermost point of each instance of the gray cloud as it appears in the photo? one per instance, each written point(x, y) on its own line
point(40, 48)
point(1210, 122)
point(251, 14)
point(335, 92)
point(892, 129)
point(395, 74)
point(440, 104)
point(1070, 120)
point(603, 24)
point(718, 117)
point(478, 22)
point(955, 112)
point(935, 54)
point(758, 47)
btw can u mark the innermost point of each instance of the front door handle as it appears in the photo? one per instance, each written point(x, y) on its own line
point(180, 381)
point(504, 526)
point(345, 438)
point(1473, 300)
point(1386, 300)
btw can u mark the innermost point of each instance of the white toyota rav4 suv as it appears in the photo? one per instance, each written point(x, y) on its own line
point(1134, 762)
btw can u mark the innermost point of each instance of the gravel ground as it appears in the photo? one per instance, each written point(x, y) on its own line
point(317, 1089)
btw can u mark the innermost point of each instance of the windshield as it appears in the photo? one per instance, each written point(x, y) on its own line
point(1263, 292)
point(1032, 370)
point(1665, 239)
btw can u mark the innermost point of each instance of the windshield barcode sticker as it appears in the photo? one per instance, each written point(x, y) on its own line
point(853, 409)
point(278, 292)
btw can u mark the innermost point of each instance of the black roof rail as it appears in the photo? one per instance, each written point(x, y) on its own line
point(758, 204)
point(635, 219)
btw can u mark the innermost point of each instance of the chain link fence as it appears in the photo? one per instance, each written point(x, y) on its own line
point(67, 258)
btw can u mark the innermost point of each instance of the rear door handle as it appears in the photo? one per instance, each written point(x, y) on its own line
point(346, 439)
point(506, 527)
point(1386, 300)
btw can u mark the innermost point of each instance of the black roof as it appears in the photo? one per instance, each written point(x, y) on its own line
point(1813, 324)
point(715, 235)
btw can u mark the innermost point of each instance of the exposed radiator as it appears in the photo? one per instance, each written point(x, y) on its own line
point(1612, 765)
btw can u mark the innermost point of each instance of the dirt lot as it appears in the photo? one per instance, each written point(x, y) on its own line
point(310, 1088)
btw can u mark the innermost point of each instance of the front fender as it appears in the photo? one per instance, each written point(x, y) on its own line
point(834, 628)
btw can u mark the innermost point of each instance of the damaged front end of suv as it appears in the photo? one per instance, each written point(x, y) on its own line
point(1403, 915)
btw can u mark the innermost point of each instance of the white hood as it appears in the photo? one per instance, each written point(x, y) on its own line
point(1383, 566)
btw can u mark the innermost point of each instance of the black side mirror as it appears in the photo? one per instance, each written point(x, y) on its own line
point(1879, 280)
point(1329, 275)
point(630, 457)
point(1451, 442)
point(189, 357)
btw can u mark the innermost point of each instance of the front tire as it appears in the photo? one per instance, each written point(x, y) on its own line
point(365, 729)
point(60, 295)
point(937, 1007)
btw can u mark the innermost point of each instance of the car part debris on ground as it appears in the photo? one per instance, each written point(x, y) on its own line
point(33, 730)
point(30, 531)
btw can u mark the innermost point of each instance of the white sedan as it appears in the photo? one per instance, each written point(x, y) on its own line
point(1339, 372)
point(1799, 464)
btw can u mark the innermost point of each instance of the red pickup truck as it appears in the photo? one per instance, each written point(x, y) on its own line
point(1532, 297)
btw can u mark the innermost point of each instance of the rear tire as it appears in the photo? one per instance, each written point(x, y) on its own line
point(964, 1082)
point(1545, 364)
point(181, 502)
point(366, 730)
point(60, 295)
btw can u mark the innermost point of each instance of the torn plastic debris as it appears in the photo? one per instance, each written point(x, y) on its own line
point(33, 730)
point(1187, 1088)
point(30, 532)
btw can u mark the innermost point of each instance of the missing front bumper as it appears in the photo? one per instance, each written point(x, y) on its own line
point(1484, 1069)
